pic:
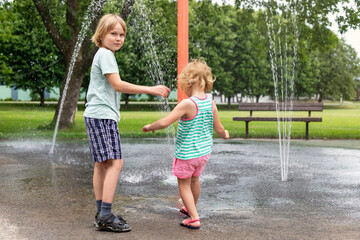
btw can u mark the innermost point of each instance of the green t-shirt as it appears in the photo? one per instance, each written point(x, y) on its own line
point(103, 102)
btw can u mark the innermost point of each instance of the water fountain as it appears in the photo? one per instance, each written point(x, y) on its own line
point(140, 22)
point(283, 72)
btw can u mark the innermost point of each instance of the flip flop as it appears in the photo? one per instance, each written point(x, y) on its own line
point(184, 211)
point(187, 223)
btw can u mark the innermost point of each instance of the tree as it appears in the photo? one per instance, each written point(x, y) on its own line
point(7, 16)
point(252, 69)
point(64, 33)
point(212, 38)
point(307, 71)
point(35, 63)
point(222, 48)
point(338, 70)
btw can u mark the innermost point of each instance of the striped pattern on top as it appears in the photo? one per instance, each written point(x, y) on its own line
point(195, 136)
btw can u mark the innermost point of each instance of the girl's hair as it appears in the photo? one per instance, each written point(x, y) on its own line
point(106, 24)
point(197, 71)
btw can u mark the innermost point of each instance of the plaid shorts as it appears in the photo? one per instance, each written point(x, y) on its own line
point(104, 139)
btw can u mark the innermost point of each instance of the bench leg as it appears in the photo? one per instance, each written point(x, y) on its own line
point(246, 129)
point(307, 130)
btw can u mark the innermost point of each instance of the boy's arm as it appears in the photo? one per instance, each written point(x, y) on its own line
point(125, 87)
point(180, 110)
point(218, 127)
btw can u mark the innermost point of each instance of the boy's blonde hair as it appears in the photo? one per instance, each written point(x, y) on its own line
point(197, 71)
point(106, 24)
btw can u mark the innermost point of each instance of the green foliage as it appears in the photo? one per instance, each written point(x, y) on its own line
point(351, 19)
point(34, 61)
point(338, 68)
point(7, 17)
point(233, 40)
point(253, 68)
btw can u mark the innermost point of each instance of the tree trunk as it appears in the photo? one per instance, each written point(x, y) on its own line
point(126, 99)
point(229, 102)
point(42, 97)
point(320, 97)
point(72, 96)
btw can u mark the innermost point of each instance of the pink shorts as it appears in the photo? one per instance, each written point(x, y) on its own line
point(191, 167)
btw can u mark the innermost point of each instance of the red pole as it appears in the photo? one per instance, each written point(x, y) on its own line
point(183, 41)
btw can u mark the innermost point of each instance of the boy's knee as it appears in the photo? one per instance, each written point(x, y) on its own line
point(101, 165)
point(117, 164)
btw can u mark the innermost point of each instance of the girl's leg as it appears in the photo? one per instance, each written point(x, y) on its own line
point(188, 199)
point(195, 188)
point(114, 167)
point(98, 179)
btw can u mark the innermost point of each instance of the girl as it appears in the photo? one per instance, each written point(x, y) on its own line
point(102, 116)
point(198, 116)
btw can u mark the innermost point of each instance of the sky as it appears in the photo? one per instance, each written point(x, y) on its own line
point(352, 37)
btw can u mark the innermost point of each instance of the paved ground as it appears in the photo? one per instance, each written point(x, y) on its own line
point(50, 197)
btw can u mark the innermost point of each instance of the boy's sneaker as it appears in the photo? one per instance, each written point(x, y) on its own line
point(112, 223)
point(97, 217)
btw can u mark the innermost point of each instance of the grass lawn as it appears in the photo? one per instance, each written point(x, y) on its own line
point(28, 120)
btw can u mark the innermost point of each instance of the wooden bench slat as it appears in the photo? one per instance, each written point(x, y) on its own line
point(274, 119)
point(272, 107)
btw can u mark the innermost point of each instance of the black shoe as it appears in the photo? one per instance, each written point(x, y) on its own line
point(96, 220)
point(112, 223)
point(97, 217)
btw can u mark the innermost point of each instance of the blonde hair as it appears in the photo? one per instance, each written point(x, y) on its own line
point(197, 71)
point(106, 24)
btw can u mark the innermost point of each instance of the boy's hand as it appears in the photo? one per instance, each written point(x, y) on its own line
point(160, 90)
point(146, 128)
point(226, 135)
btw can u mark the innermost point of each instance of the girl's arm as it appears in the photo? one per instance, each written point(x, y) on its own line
point(184, 107)
point(218, 127)
point(125, 87)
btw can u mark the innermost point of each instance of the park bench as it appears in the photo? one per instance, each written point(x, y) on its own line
point(309, 107)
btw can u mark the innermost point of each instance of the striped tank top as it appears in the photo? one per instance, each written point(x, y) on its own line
point(195, 135)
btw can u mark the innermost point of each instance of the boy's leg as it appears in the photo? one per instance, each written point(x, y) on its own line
point(108, 220)
point(98, 179)
point(98, 184)
point(188, 199)
point(114, 167)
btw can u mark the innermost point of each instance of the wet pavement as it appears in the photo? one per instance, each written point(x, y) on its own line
point(46, 196)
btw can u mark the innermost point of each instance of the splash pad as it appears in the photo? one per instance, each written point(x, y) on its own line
point(242, 195)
